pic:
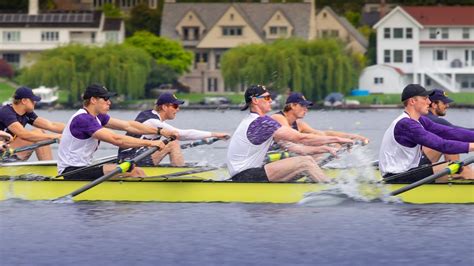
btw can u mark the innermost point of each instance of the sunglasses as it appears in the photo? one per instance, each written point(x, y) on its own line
point(266, 97)
point(105, 98)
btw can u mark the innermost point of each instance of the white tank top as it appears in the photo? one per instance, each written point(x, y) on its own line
point(244, 153)
point(395, 158)
point(78, 151)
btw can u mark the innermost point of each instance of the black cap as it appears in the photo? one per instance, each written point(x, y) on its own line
point(96, 90)
point(296, 97)
point(168, 98)
point(25, 93)
point(413, 90)
point(439, 95)
point(252, 91)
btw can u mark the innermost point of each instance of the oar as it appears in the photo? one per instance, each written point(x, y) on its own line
point(449, 170)
point(207, 141)
point(345, 147)
point(11, 151)
point(121, 168)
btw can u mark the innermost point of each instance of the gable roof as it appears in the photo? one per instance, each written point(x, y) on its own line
point(348, 26)
point(393, 12)
point(256, 14)
point(442, 15)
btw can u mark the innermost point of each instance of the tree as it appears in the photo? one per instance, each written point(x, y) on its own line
point(6, 70)
point(165, 51)
point(121, 68)
point(143, 18)
point(313, 67)
point(111, 11)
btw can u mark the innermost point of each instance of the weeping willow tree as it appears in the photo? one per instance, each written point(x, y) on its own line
point(314, 68)
point(121, 68)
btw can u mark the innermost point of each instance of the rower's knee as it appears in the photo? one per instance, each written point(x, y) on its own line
point(307, 162)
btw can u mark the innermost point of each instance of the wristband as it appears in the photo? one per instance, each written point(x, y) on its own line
point(158, 131)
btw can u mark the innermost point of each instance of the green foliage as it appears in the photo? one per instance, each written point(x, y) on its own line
point(353, 17)
point(165, 51)
point(160, 74)
point(315, 68)
point(6, 92)
point(121, 68)
point(143, 18)
point(111, 11)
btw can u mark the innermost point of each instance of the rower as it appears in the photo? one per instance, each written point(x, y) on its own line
point(438, 107)
point(88, 126)
point(15, 116)
point(166, 108)
point(295, 110)
point(402, 143)
point(254, 136)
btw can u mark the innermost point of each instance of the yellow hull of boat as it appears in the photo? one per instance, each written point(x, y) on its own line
point(193, 190)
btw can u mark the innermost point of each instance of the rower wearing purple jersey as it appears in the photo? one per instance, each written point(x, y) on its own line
point(404, 141)
point(254, 135)
point(88, 126)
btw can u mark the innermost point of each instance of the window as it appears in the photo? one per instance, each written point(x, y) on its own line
point(50, 36)
point(440, 55)
point(92, 37)
point(112, 36)
point(12, 58)
point(428, 81)
point(325, 33)
point(200, 58)
point(378, 80)
point(386, 56)
point(409, 56)
point(212, 84)
point(218, 61)
point(433, 33)
point(232, 31)
point(386, 33)
point(445, 33)
point(11, 36)
point(398, 33)
point(465, 33)
point(465, 84)
point(398, 56)
point(280, 31)
point(190, 33)
point(334, 33)
point(409, 33)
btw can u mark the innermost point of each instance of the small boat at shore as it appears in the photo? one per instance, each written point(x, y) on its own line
point(37, 181)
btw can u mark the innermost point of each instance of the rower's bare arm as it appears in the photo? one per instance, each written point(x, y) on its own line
point(124, 141)
point(5, 136)
point(44, 123)
point(471, 146)
point(138, 128)
point(289, 134)
point(305, 128)
point(310, 150)
point(18, 130)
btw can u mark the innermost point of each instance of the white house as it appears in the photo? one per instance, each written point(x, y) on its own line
point(25, 35)
point(430, 45)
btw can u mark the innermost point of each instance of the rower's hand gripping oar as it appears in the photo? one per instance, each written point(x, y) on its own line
point(121, 168)
point(9, 152)
point(451, 169)
point(345, 147)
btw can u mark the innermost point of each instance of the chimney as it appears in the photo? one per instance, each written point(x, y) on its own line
point(33, 7)
point(383, 9)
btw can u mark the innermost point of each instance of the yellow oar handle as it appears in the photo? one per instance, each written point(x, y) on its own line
point(454, 167)
point(125, 166)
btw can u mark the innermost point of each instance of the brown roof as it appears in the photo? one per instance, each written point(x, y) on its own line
point(112, 24)
point(442, 15)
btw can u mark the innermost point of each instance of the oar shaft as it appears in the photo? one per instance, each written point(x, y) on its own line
point(36, 145)
point(451, 169)
point(199, 142)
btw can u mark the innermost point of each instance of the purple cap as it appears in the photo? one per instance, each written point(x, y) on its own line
point(296, 97)
point(439, 95)
point(168, 98)
point(25, 93)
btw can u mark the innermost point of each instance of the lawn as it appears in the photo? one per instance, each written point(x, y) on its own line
point(6, 92)
point(459, 98)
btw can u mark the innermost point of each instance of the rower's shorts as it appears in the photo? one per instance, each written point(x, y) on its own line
point(88, 174)
point(423, 170)
point(251, 175)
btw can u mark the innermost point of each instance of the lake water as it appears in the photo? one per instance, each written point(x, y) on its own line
point(334, 232)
